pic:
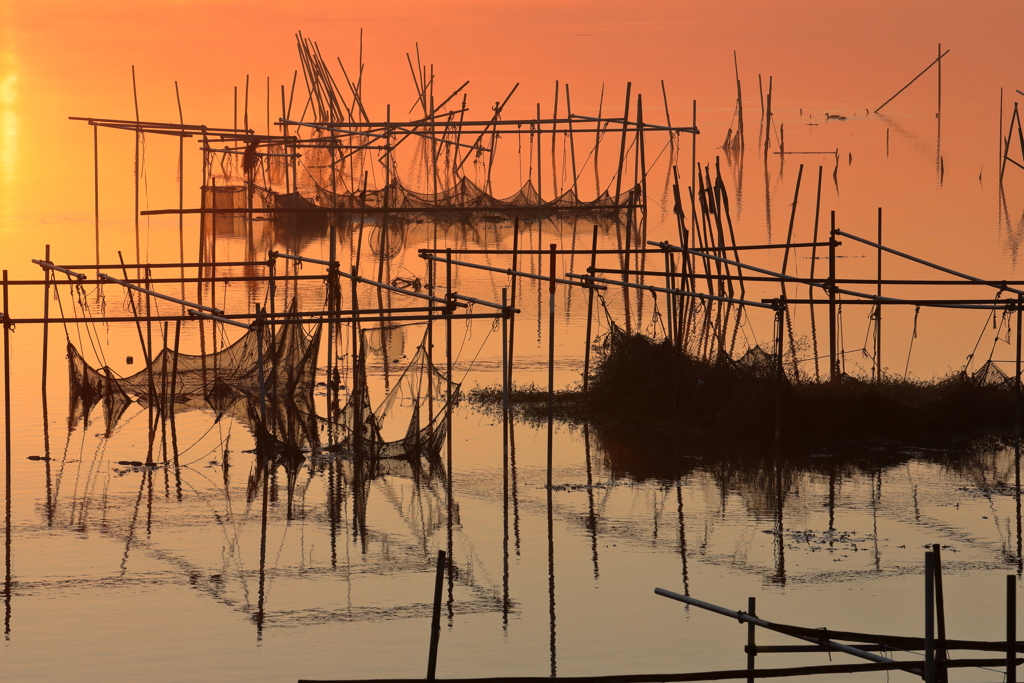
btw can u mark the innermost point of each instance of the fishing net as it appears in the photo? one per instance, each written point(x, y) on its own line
point(226, 381)
point(465, 194)
point(411, 421)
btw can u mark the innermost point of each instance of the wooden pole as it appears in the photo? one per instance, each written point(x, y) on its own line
point(878, 309)
point(1017, 368)
point(512, 299)
point(937, 60)
point(833, 363)
point(929, 617)
point(181, 191)
point(95, 170)
point(780, 326)
point(449, 491)
point(940, 616)
point(751, 637)
point(551, 363)
point(590, 317)
point(435, 621)
point(1011, 628)
point(138, 140)
point(8, 582)
point(618, 191)
point(46, 315)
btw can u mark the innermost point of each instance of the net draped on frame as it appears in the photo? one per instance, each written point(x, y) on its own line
point(410, 422)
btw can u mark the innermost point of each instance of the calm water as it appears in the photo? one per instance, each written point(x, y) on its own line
point(123, 572)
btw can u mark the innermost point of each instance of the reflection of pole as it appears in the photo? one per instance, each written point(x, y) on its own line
point(448, 419)
point(264, 463)
point(435, 622)
point(505, 454)
point(551, 431)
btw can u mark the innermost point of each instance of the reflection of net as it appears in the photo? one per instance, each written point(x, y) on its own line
point(466, 195)
point(388, 340)
point(416, 404)
point(387, 243)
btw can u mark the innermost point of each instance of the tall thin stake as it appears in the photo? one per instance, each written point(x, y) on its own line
point(551, 362)
point(435, 621)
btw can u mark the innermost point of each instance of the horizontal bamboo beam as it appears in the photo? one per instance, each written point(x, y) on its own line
point(724, 675)
point(158, 295)
point(218, 264)
point(801, 280)
point(175, 280)
point(354, 318)
point(546, 252)
point(948, 271)
point(678, 292)
point(507, 271)
point(896, 642)
point(358, 127)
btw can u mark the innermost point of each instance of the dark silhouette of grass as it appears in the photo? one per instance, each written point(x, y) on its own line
point(644, 391)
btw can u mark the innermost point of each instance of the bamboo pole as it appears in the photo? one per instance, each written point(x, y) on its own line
point(1017, 369)
point(435, 621)
point(551, 366)
point(929, 617)
point(512, 300)
point(590, 317)
point(937, 59)
point(751, 637)
point(8, 579)
point(46, 316)
point(138, 140)
point(878, 310)
point(833, 363)
point(96, 187)
point(941, 654)
point(181, 192)
point(1011, 628)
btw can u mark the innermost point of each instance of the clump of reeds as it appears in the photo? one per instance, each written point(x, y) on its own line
point(650, 391)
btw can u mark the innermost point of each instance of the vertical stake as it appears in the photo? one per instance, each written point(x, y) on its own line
point(929, 617)
point(751, 642)
point(95, 171)
point(940, 614)
point(1011, 628)
point(7, 457)
point(46, 317)
point(1016, 386)
point(590, 315)
point(878, 307)
point(833, 362)
point(551, 362)
point(435, 621)
point(780, 326)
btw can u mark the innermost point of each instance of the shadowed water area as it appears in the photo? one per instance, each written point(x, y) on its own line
point(268, 503)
